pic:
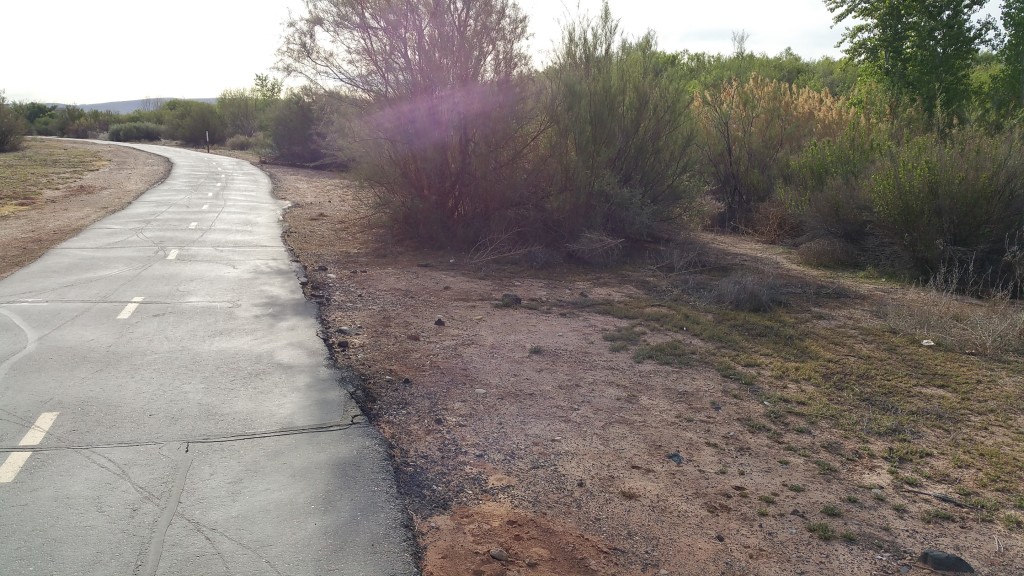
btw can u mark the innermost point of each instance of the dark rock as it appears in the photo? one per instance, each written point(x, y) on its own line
point(798, 514)
point(584, 295)
point(675, 457)
point(343, 330)
point(424, 264)
point(439, 421)
point(719, 537)
point(406, 381)
point(439, 322)
point(945, 562)
point(447, 288)
point(342, 345)
point(322, 268)
point(511, 300)
point(303, 280)
point(499, 555)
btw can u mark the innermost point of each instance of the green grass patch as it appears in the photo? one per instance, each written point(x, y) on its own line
point(822, 530)
point(671, 353)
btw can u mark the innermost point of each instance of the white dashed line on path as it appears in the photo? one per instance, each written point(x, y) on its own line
point(173, 254)
point(206, 206)
point(10, 468)
point(130, 309)
point(193, 225)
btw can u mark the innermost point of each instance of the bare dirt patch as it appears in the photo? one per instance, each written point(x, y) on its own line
point(625, 421)
point(53, 189)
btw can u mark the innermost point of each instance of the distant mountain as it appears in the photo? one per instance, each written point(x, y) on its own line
point(128, 106)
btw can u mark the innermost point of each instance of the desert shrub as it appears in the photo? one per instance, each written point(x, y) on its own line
point(292, 131)
point(954, 200)
point(134, 132)
point(937, 313)
point(749, 131)
point(827, 252)
point(622, 133)
point(12, 127)
point(825, 185)
point(240, 142)
point(189, 121)
point(749, 291)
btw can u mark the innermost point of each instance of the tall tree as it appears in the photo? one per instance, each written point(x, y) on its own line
point(919, 49)
point(1011, 51)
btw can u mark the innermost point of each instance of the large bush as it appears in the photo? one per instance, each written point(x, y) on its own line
point(12, 127)
point(442, 86)
point(955, 200)
point(134, 132)
point(189, 122)
point(749, 132)
point(622, 132)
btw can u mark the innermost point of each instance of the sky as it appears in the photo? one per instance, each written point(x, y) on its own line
point(86, 52)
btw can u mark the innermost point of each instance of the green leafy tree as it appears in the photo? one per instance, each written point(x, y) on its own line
point(920, 50)
point(1011, 52)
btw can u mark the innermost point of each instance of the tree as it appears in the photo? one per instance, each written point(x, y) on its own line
point(442, 84)
point(919, 50)
point(12, 127)
point(1011, 51)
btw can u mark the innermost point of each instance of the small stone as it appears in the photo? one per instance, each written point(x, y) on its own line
point(303, 280)
point(446, 288)
point(439, 421)
point(945, 562)
point(662, 572)
point(481, 391)
point(413, 337)
point(424, 264)
point(406, 381)
point(322, 268)
point(719, 537)
point(675, 457)
point(499, 555)
point(439, 322)
point(584, 295)
point(342, 344)
point(531, 563)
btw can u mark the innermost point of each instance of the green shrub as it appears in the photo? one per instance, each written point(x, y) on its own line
point(240, 142)
point(12, 127)
point(622, 135)
point(134, 132)
point(189, 122)
point(954, 202)
point(749, 131)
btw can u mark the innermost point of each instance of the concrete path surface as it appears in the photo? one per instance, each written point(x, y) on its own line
point(166, 407)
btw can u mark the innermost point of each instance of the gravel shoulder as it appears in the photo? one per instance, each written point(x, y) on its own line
point(56, 201)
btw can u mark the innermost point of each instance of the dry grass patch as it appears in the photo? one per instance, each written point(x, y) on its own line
point(40, 166)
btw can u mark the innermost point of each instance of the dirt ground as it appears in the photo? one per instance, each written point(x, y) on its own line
point(525, 446)
point(70, 200)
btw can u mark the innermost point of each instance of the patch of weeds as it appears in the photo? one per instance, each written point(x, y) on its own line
point(728, 371)
point(625, 335)
point(852, 499)
point(784, 461)
point(535, 349)
point(822, 530)
point(1019, 503)
point(826, 467)
point(848, 536)
point(1012, 521)
point(762, 512)
point(722, 471)
point(767, 499)
point(985, 504)
point(629, 494)
point(749, 291)
point(618, 346)
point(937, 515)
point(671, 353)
point(905, 452)
point(832, 511)
point(912, 481)
point(796, 488)
point(754, 426)
point(899, 508)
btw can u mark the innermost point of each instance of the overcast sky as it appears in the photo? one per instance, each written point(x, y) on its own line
point(84, 52)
